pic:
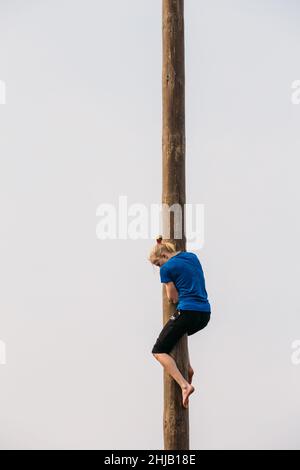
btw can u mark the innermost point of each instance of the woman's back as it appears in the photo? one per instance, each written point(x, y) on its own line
point(185, 270)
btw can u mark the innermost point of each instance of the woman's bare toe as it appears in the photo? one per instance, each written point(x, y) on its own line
point(186, 392)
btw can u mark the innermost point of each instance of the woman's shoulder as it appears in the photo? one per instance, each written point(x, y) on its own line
point(191, 254)
point(193, 257)
point(187, 255)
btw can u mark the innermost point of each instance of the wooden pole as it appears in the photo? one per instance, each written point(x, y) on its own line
point(176, 417)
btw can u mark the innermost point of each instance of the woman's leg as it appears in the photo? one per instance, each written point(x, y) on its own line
point(171, 368)
point(190, 369)
point(197, 321)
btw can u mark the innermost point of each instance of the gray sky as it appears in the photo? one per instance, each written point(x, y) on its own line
point(82, 126)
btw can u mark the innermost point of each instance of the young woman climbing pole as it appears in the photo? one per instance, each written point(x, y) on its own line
point(182, 274)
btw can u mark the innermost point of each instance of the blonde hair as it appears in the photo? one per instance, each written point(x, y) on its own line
point(160, 248)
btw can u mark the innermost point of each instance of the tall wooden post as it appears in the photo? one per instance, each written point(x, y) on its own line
point(176, 417)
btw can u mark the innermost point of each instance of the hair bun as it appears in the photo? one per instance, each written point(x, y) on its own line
point(159, 239)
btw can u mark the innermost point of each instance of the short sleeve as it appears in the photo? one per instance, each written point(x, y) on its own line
point(165, 275)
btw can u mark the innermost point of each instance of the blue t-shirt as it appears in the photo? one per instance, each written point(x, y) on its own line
point(185, 270)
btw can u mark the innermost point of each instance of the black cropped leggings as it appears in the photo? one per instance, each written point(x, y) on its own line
point(182, 322)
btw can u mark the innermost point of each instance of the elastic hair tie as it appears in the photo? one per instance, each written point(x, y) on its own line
point(159, 239)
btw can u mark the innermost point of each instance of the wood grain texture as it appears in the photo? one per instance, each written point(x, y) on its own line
point(176, 417)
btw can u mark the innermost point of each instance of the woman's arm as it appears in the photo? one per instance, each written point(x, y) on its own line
point(172, 292)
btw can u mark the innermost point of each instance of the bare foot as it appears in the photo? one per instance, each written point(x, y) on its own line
point(186, 392)
point(190, 374)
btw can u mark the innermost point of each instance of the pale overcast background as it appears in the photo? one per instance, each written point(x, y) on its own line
point(82, 126)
